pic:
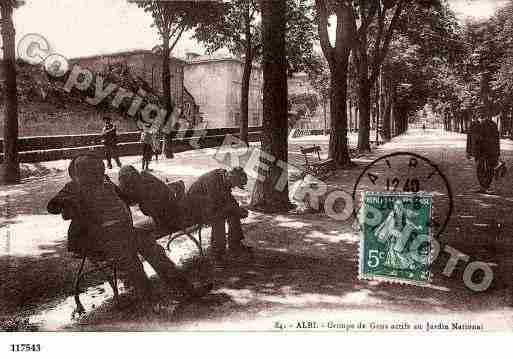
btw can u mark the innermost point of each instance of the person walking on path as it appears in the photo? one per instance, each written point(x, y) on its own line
point(110, 142)
point(486, 151)
point(147, 151)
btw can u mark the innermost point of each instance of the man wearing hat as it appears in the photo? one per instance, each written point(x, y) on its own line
point(210, 200)
point(110, 142)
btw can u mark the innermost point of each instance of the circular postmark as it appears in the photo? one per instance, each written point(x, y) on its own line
point(407, 172)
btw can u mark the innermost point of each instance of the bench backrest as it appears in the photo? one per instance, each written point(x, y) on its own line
point(312, 149)
point(306, 150)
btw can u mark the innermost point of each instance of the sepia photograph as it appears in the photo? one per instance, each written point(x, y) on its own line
point(255, 166)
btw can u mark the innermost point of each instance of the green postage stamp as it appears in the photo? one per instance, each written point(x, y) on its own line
point(395, 244)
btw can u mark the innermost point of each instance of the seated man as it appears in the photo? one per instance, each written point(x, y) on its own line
point(155, 198)
point(210, 200)
point(101, 223)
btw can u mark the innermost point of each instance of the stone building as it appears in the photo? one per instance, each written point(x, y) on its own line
point(215, 83)
point(148, 66)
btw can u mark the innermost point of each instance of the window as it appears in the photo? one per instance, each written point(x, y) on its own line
point(187, 109)
point(236, 119)
point(236, 94)
point(255, 120)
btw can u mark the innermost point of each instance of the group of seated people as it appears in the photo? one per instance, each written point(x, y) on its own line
point(102, 225)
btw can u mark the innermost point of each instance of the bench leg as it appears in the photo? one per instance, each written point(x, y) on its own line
point(80, 308)
point(197, 241)
point(111, 279)
point(115, 281)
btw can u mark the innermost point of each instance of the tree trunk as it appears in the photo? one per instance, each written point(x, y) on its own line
point(364, 95)
point(244, 100)
point(246, 77)
point(350, 115)
point(364, 103)
point(11, 166)
point(266, 194)
point(324, 105)
point(356, 117)
point(378, 110)
point(387, 116)
point(338, 148)
point(166, 90)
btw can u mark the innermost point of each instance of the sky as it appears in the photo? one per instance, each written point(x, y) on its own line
point(88, 27)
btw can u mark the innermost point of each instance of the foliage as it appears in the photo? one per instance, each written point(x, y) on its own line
point(421, 55)
point(303, 102)
point(230, 32)
point(172, 18)
point(319, 77)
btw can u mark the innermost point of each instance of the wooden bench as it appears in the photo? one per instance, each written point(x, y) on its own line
point(101, 264)
point(147, 225)
point(316, 166)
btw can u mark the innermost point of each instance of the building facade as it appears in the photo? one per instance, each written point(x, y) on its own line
point(147, 65)
point(215, 84)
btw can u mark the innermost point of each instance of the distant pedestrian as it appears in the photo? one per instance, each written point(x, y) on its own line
point(156, 145)
point(486, 153)
point(110, 142)
point(147, 152)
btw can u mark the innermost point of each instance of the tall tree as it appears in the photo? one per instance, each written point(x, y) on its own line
point(240, 31)
point(377, 23)
point(172, 19)
point(11, 164)
point(270, 194)
point(337, 56)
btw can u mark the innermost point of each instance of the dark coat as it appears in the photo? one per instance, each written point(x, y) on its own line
point(155, 198)
point(210, 197)
point(488, 142)
point(69, 203)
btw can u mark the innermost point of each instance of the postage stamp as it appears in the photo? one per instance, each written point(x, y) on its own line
point(395, 243)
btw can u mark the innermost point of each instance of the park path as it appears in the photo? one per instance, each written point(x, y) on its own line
point(305, 267)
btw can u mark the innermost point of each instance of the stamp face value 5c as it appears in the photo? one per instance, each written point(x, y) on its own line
point(395, 245)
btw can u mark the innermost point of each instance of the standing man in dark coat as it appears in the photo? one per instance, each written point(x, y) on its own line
point(110, 142)
point(487, 152)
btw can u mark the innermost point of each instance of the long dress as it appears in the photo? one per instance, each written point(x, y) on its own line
point(397, 254)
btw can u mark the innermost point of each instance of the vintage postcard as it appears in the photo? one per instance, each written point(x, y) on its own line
point(255, 166)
